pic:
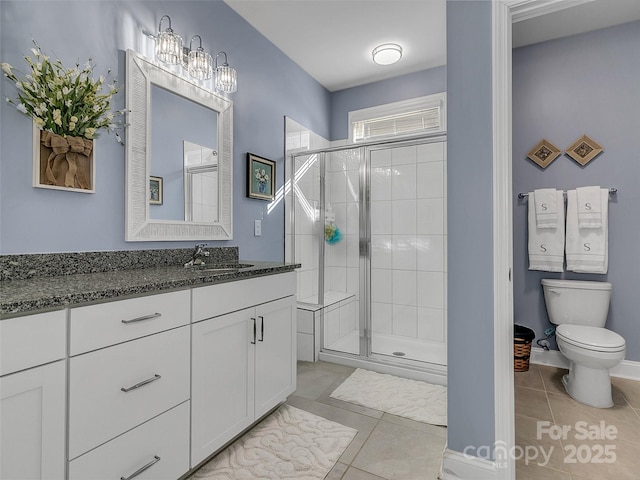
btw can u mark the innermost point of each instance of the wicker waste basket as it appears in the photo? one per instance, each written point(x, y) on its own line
point(522, 338)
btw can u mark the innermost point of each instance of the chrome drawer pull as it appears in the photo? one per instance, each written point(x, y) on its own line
point(261, 339)
point(145, 317)
point(254, 331)
point(155, 460)
point(141, 384)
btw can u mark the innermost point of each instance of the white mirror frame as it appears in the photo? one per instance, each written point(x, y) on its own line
point(141, 74)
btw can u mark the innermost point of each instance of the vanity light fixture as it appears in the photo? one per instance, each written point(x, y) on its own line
point(199, 62)
point(387, 53)
point(226, 76)
point(168, 44)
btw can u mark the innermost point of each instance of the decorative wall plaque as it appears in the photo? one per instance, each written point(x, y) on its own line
point(544, 153)
point(584, 150)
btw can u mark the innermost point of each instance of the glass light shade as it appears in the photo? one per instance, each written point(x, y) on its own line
point(169, 47)
point(387, 53)
point(226, 79)
point(200, 64)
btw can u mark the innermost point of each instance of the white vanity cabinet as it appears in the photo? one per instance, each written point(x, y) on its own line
point(32, 396)
point(146, 387)
point(275, 359)
point(243, 362)
point(129, 388)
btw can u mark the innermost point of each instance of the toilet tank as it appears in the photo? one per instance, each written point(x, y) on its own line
point(577, 302)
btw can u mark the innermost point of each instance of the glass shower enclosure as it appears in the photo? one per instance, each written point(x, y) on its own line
point(368, 225)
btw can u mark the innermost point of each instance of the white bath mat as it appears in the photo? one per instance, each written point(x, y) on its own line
point(288, 444)
point(412, 399)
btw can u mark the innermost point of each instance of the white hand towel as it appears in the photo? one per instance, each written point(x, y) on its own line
point(587, 248)
point(546, 204)
point(546, 245)
point(589, 207)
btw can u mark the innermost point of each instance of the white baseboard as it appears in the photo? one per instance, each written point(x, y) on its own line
point(458, 466)
point(552, 358)
point(626, 369)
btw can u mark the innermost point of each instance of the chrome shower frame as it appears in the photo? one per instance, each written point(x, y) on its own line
point(406, 367)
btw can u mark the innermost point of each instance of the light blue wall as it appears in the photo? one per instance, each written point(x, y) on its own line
point(470, 238)
point(562, 89)
point(270, 86)
point(418, 84)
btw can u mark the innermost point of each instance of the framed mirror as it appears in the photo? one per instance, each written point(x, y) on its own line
point(181, 133)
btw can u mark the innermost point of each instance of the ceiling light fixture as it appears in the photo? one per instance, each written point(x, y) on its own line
point(387, 53)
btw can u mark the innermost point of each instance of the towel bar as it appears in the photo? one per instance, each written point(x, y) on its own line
point(612, 191)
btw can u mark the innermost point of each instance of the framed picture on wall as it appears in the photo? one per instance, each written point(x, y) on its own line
point(155, 190)
point(261, 174)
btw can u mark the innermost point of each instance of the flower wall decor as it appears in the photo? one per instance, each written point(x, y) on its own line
point(261, 174)
point(69, 109)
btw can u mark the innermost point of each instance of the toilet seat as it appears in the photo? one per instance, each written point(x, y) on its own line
point(591, 338)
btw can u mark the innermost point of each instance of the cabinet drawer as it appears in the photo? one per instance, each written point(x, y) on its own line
point(97, 326)
point(214, 300)
point(165, 437)
point(32, 340)
point(99, 409)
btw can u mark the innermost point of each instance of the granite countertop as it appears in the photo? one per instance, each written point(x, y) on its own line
point(38, 294)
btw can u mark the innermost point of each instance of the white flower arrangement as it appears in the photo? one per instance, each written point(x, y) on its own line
point(67, 102)
point(261, 175)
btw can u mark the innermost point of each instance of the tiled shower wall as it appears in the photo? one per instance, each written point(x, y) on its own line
point(408, 241)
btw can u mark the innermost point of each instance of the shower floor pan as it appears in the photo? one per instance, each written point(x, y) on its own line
point(385, 344)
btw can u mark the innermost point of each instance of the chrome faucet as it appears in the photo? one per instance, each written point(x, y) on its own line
point(196, 256)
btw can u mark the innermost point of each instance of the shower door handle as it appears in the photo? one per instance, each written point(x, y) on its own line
point(364, 248)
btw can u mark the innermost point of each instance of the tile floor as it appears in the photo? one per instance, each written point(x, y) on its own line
point(386, 447)
point(540, 396)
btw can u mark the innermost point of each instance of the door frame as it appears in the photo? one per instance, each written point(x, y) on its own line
point(505, 13)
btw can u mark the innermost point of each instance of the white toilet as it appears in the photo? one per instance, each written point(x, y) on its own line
point(579, 309)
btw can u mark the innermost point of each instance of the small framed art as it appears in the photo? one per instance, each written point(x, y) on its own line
point(155, 190)
point(261, 174)
point(543, 153)
point(584, 150)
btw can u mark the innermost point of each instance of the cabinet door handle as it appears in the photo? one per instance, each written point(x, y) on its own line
point(254, 331)
point(142, 383)
point(155, 460)
point(261, 329)
point(144, 317)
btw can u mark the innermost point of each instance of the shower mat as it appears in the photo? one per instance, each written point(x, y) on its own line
point(290, 444)
point(407, 398)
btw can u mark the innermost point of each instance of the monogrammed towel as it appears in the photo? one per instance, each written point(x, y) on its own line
point(546, 205)
point(589, 207)
point(546, 245)
point(587, 248)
